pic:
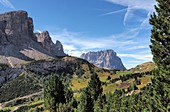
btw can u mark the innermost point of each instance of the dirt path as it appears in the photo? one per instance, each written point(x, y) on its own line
point(2, 105)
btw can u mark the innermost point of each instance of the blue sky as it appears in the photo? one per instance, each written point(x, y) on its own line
point(92, 25)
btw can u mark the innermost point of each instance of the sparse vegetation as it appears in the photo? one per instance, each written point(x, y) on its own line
point(78, 84)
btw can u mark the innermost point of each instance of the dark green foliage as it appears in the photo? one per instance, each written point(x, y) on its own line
point(68, 94)
point(156, 96)
point(114, 80)
point(20, 86)
point(160, 48)
point(75, 103)
point(160, 93)
point(5, 110)
point(57, 94)
point(160, 38)
point(135, 87)
point(79, 72)
point(114, 101)
point(53, 93)
point(100, 103)
point(86, 102)
point(3, 67)
point(91, 68)
point(91, 94)
point(95, 86)
point(26, 108)
point(138, 82)
point(108, 78)
point(132, 88)
point(37, 109)
point(112, 72)
point(135, 75)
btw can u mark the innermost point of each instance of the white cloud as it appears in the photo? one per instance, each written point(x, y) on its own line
point(137, 47)
point(129, 33)
point(135, 59)
point(69, 47)
point(128, 15)
point(6, 3)
point(77, 41)
point(117, 11)
point(145, 21)
point(131, 65)
point(132, 5)
point(140, 57)
point(136, 4)
point(39, 31)
point(75, 53)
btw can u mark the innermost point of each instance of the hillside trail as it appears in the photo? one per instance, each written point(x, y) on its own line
point(2, 105)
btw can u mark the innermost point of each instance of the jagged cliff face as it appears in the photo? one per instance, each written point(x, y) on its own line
point(104, 59)
point(45, 40)
point(15, 27)
point(19, 44)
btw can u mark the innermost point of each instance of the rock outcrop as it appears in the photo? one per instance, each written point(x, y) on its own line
point(104, 59)
point(8, 73)
point(16, 26)
point(45, 40)
point(19, 44)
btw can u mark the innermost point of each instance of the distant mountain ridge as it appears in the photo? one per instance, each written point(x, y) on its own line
point(104, 59)
point(19, 44)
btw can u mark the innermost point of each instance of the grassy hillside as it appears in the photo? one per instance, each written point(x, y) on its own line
point(79, 73)
point(148, 66)
point(23, 85)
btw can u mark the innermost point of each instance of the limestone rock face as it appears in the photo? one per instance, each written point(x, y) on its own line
point(104, 59)
point(19, 44)
point(58, 49)
point(45, 40)
point(17, 26)
point(8, 73)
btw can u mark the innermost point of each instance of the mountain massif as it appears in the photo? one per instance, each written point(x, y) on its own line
point(19, 44)
point(104, 59)
point(28, 59)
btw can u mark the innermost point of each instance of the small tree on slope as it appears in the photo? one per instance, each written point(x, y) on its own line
point(53, 93)
point(95, 86)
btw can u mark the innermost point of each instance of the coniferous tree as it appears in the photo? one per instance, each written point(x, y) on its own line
point(53, 93)
point(100, 103)
point(108, 78)
point(86, 102)
point(160, 39)
point(68, 93)
point(95, 86)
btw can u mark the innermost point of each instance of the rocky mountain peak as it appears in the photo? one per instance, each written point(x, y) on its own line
point(104, 59)
point(59, 47)
point(110, 52)
point(45, 40)
point(19, 43)
point(16, 25)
